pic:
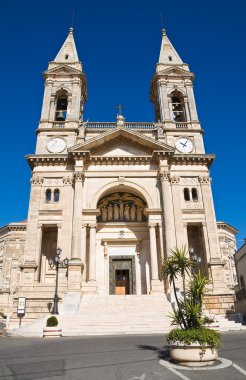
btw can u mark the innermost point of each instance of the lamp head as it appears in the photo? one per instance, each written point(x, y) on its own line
point(50, 260)
point(65, 262)
point(58, 251)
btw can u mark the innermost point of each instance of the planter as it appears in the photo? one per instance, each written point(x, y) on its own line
point(52, 332)
point(192, 355)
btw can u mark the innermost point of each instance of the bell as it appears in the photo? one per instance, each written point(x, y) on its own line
point(60, 116)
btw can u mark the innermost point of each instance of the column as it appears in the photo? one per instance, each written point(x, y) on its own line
point(177, 210)
point(156, 286)
point(138, 270)
point(75, 264)
point(163, 101)
point(216, 262)
point(192, 104)
point(83, 248)
point(39, 251)
point(187, 110)
point(170, 236)
point(92, 259)
point(77, 216)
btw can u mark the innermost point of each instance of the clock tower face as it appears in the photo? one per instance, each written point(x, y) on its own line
point(184, 145)
point(56, 145)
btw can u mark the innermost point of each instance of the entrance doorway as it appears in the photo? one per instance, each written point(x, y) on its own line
point(122, 275)
point(122, 282)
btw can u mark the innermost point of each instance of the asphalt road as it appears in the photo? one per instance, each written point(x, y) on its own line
point(108, 358)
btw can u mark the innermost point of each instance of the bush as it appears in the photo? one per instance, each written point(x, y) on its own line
point(205, 337)
point(52, 321)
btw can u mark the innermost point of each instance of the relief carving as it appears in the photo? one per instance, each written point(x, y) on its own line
point(67, 180)
point(175, 180)
point(205, 180)
point(37, 180)
point(122, 207)
point(78, 176)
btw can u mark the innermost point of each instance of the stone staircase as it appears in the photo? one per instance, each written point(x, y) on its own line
point(117, 315)
point(114, 315)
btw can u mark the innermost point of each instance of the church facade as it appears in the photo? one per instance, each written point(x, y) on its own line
point(115, 197)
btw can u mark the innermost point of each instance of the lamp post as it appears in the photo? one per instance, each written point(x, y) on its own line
point(196, 259)
point(57, 263)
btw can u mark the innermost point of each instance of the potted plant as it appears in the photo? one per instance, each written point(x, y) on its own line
point(52, 329)
point(190, 342)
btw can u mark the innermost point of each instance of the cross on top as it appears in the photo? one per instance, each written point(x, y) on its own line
point(120, 108)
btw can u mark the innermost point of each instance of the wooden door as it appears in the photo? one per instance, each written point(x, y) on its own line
point(121, 281)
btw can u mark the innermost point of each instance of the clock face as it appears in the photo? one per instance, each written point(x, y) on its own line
point(184, 145)
point(56, 145)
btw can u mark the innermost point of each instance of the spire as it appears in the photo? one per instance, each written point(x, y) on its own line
point(68, 51)
point(168, 54)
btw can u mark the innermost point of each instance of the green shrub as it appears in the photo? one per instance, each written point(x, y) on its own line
point(52, 321)
point(205, 337)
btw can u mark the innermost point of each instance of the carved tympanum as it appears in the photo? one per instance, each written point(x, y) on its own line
point(121, 207)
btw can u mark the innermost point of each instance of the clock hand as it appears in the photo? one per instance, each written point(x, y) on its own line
point(186, 142)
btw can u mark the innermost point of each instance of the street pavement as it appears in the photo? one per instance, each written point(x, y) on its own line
point(109, 358)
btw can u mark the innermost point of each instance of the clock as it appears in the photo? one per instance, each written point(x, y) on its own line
point(184, 145)
point(56, 145)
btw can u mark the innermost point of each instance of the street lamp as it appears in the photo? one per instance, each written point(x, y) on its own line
point(57, 263)
point(196, 259)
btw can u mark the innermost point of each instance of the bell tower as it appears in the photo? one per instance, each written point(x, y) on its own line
point(64, 96)
point(172, 95)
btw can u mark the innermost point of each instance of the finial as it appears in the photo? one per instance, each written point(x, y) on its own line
point(71, 30)
point(164, 32)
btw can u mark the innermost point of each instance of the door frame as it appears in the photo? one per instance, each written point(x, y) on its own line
point(122, 262)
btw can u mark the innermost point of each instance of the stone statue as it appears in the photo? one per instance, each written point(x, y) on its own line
point(104, 214)
point(120, 120)
point(139, 214)
point(127, 212)
point(110, 212)
point(121, 210)
point(133, 213)
point(116, 212)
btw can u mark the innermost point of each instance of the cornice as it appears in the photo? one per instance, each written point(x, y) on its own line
point(193, 159)
point(54, 129)
point(48, 160)
point(13, 227)
point(225, 226)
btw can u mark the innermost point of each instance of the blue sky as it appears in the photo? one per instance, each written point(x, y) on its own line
point(118, 43)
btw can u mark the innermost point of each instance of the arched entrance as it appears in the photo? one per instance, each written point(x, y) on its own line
point(123, 233)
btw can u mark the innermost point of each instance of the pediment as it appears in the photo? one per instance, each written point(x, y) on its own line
point(63, 70)
point(120, 146)
point(176, 71)
point(121, 141)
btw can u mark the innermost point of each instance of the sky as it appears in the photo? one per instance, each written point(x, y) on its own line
point(118, 43)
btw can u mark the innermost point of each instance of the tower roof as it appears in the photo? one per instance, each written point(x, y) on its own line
point(68, 52)
point(168, 54)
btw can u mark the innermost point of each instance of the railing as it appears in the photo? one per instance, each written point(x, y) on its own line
point(106, 125)
point(182, 125)
point(58, 124)
point(240, 294)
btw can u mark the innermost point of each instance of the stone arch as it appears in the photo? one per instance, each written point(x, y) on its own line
point(118, 186)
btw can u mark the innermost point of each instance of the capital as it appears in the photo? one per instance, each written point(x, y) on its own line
point(78, 176)
point(152, 225)
point(164, 176)
point(67, 180)
point(205, 180)
point(175, 179)
point(36, 180)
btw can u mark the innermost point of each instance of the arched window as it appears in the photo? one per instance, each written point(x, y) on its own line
point(61, 106)
point(56, 195)
point(194, 194)
point(48, 195)
point(178, 107)
point(186, 194)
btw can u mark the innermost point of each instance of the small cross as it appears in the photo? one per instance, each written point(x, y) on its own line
point(120, 108)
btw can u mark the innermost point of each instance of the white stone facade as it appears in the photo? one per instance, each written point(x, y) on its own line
point(115, 197)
